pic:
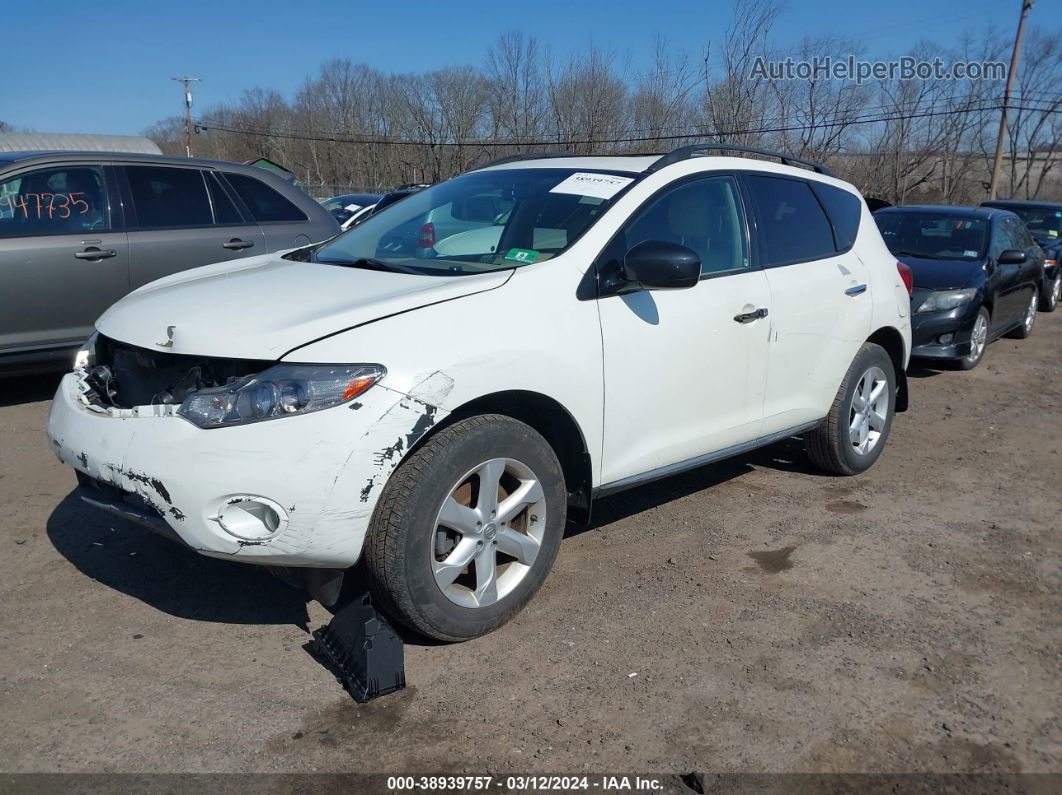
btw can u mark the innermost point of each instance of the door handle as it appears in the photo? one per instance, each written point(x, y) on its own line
point(236, 244)
point(858, 289)
point(749, 317)
point(93, 253)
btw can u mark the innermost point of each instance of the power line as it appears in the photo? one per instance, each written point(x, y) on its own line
point(836, 118)
point(697, 128)
point(703, 131)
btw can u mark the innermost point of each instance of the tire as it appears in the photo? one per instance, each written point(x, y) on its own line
point(425, 563)
point(1028, 321)
point(978, 341)
point(830, 446)
point(1050, 297)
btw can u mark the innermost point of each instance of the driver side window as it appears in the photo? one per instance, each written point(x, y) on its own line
point(61, 200)
point(704, 215)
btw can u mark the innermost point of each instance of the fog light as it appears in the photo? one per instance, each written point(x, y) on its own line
point(251, 518)
point(946, 338)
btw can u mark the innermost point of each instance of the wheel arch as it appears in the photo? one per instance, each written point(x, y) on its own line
point(891, 340)
point(557, 426)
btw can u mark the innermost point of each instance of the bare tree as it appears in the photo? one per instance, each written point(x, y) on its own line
point(514, 84)
point(736, 103)
point(661, 103)
point(815, 115)
point(1034, 124)
point(460, 94)
point(350, 127)
point(587, 99)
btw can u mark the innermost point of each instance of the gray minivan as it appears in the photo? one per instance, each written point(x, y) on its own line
point(79, 230)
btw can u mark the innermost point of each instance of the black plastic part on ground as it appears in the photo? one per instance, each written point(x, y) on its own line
point(363, 650)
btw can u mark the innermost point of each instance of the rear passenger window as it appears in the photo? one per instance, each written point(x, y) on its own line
point(793, 226)
point(225, 211)
point(168, 197)
point(844, 210)
point(264, 203)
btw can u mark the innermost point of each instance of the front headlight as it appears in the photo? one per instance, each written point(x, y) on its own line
point(947, 299)
point(280, 391)
point(86, 355)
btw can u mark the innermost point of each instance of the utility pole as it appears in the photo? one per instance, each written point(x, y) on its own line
point(187, 111)
point(997, 165)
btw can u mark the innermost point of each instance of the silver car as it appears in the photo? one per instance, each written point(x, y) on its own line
point(79, 230)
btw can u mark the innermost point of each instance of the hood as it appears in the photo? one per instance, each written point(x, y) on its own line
point(939, 274)
point(263, 307)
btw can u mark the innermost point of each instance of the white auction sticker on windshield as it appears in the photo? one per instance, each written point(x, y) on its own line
point(601, 186)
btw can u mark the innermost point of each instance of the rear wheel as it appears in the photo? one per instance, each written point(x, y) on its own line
point(853, 434)
point(1051, 295)
point(1025, 330)
point(978, 341)
point(467, 528)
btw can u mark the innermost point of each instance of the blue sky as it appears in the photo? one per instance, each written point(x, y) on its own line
point(105, 67)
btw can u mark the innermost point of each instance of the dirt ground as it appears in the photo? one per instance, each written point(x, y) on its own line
point(749, 616)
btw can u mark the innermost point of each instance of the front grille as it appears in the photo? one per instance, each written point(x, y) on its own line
point(110, 492)
point(124, 376)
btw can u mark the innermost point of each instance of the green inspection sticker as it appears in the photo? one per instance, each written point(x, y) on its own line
point(525, 255)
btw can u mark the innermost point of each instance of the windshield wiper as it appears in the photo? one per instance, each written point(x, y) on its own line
point(369, 264)
point(919, 255)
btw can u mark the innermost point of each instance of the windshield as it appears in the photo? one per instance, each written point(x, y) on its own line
point(933, 235)
point(483, 221)
point(1044, 223)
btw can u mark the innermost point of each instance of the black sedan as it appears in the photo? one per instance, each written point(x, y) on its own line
point(977, 275)
point(1044, 222)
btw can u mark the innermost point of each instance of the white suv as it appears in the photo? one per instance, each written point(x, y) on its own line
point(444, 411)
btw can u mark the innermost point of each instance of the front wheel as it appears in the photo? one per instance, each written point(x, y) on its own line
point(853, 434)
point(467, 528)
point(978, 341)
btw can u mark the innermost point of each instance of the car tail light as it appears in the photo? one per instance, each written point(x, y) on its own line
point(1050, 263)
point(908, 277)
point(427, 235)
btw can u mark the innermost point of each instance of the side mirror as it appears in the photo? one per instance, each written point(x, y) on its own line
point(1013, 256)
point(658, 265)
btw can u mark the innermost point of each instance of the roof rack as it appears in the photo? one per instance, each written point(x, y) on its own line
point(525, 156)
point(686, 152)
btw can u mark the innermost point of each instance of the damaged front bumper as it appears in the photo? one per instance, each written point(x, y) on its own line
point(318, 475)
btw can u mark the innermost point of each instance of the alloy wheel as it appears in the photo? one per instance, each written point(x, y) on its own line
point(978, 339)
point(1030, 312)
point(488, 532)
point(870, 410)
point(1056, 291)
